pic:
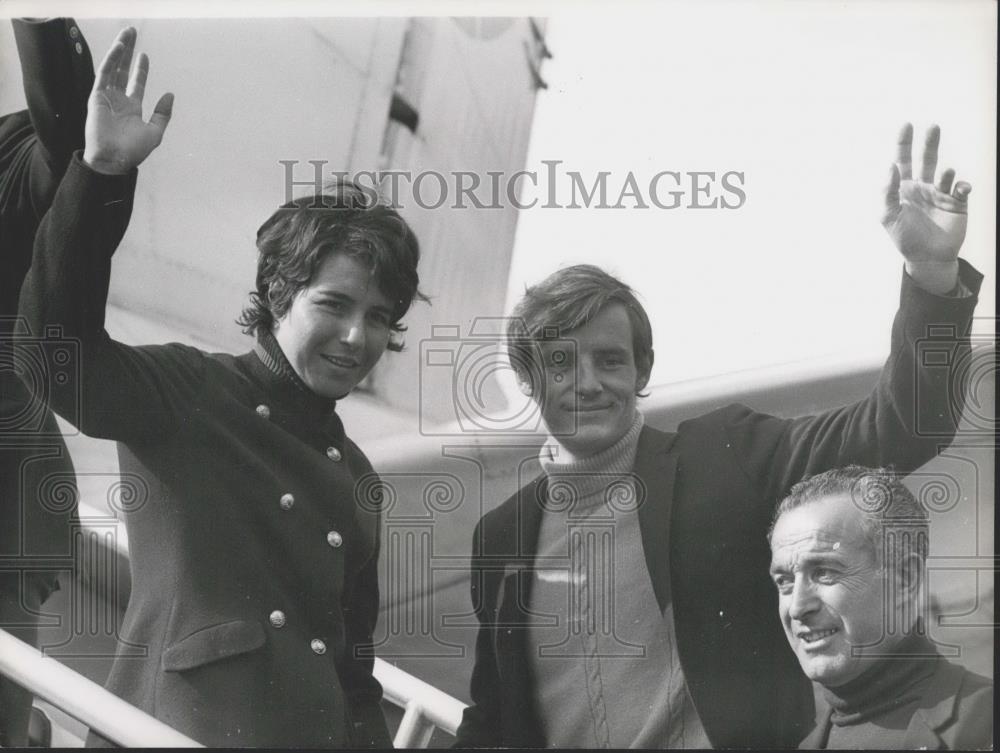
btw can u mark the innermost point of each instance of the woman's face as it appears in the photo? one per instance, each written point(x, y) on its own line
point(337, 327)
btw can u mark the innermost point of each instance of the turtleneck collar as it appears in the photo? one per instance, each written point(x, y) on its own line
point(590, 479)
point(888, 683)
point(284, 382)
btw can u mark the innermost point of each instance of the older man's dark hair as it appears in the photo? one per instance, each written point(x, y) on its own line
point(345, 219)
point(884, 503)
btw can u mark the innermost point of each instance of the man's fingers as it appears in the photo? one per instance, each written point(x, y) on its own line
point(162, 112)
point(891, 196)
point(137, 82)
point(109, 66)
point(931, 142)
point(945, 181)
point(961, 190)
point(127, 37)
point(904, 152)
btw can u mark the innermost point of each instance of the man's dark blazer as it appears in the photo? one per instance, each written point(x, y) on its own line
point(955, 712)
point(708, 492)
point(37, 482)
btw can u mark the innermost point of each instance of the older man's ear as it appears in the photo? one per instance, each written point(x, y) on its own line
point(910, 574)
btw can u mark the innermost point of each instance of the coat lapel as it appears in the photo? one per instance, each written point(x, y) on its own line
point(517, 579)
point(919, 736)
point(529, 518)
point(511, 633)
point(656, 471)
point(922, 732)
point(817, 738)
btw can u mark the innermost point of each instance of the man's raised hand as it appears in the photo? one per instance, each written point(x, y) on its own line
point(926, 220)
point(117, 138)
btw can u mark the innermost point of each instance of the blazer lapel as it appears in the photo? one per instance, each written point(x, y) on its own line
point(529, 518)
point(924, 724)
point(510, 636)
point(920, 736)
point(817, 738)
point(516, 582)
point(656, 471)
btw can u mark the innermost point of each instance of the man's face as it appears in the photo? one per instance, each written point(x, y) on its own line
point(337, 326)
point(589, 391)
point(831, 593)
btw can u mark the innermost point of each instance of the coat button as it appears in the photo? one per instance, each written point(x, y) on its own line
point(74, 32)
point(79, 48)
point(318, 646)
point(286, 501)
point(263, 411)
point(333, 453)
point(277, 618)
point(334, 539)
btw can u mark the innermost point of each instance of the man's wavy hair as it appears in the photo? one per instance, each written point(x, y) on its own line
point(563, 301)
point(296, 239)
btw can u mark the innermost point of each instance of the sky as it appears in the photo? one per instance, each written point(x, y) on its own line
point(799, 103)
point(804, 100)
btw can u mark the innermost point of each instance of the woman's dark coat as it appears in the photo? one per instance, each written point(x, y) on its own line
point(253, 546)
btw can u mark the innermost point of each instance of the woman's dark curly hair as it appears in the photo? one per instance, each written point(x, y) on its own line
point(343, 219)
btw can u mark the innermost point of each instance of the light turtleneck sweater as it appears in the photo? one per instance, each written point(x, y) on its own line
point(603, 656)
point(582, 483)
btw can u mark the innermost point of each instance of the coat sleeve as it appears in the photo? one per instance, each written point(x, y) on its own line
point(480, 726)
point(103, 387)
point(58, 74)
point(36, 145)
point(912, 412)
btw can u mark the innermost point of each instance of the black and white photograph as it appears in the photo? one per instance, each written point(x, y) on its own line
point(412, 374)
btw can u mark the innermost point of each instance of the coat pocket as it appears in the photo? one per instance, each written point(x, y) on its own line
point(212, 643)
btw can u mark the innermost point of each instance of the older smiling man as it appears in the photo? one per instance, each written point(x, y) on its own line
point(849, 550)
point(623, 596)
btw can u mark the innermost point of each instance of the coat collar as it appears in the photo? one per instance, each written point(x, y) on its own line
point(936, 710)
point(817, 738)
point(270, 368)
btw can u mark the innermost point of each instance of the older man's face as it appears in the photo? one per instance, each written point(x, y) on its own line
point(831, 589)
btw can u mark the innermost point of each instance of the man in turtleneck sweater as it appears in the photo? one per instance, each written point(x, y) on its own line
point(622, 595)
point(613, 644)
point(849, 557)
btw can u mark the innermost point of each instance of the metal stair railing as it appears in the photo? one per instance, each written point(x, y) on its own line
point(425, 707)
point(85, 700)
